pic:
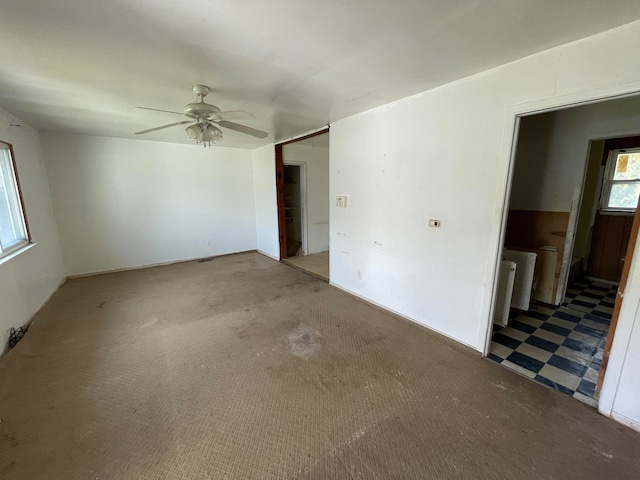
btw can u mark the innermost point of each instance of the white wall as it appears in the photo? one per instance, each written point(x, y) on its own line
point(28, 279)
point(444, 154)
point(553, 148)
point(315, 157)
point(264, 171)
point(620, 395)
point(129, 203)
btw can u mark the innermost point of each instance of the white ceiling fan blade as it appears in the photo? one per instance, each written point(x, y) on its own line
point(158, 110)
point(243, 129)
point(232, 115)
point(164, 126)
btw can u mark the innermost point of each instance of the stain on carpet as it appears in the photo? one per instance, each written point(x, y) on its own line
point(304, 341)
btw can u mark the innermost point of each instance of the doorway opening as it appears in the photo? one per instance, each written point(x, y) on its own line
point(294, 182)
point(570, 232)
point(302, 168)
point(613, 208)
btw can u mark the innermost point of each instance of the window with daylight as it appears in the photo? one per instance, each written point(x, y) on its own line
point(13, 225)
point(621, 186)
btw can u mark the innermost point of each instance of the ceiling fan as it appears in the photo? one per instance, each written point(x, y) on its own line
point(204, 119)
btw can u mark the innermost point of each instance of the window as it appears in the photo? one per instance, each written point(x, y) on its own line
point(13, 226)
point(621, 186)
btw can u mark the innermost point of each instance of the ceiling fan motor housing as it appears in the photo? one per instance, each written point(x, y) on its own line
point(200, 108)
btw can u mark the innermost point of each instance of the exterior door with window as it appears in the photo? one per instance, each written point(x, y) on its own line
point(613, 221)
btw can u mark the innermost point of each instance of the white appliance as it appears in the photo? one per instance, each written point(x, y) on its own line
point(523, 285)
point(505, 291)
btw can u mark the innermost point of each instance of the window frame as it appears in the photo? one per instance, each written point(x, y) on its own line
point(4, 252)
point(608, 182)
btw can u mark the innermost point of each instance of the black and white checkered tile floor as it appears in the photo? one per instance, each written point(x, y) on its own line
point(560, 347)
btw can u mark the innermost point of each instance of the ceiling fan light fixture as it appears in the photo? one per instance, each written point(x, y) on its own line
point(205, 134)
point(213, 133)
point(195, 132)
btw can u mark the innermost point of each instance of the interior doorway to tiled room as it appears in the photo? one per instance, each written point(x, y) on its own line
point(561, 346)
point(569, 237)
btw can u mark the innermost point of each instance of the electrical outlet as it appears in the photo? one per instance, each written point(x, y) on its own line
point(341, 201)
point(434, 223)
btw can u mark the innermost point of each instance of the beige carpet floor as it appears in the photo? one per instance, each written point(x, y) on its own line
point(244, 368)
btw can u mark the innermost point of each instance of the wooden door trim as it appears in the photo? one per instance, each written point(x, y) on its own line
point(633, 237)
point(282, 223)
point(304, 137)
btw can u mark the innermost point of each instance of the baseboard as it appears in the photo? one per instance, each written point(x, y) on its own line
point(152, 265)
point(46, 300)
point(413, 320)
point(625, 421)
point(55, 290)
point(5, 347)
point(268, 255)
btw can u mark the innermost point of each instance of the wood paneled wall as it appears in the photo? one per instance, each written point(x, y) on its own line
point(609, 245)
point(528, 229)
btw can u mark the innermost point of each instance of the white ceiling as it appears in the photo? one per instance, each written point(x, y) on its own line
point(81, 66)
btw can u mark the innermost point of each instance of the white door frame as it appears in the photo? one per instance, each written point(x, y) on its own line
point(513, 115)
point(303, 201)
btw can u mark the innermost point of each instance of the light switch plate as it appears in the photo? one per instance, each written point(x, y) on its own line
point(434, 222)
point(341, 201)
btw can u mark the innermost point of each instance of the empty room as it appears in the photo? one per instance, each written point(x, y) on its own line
point(273, 239)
